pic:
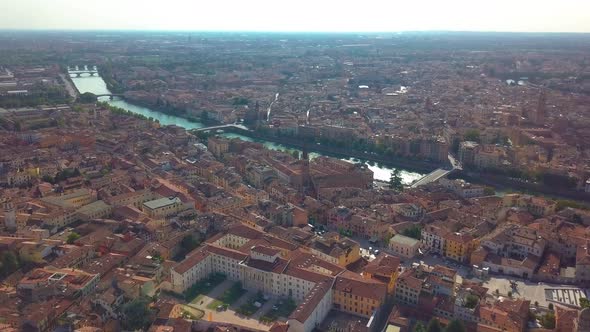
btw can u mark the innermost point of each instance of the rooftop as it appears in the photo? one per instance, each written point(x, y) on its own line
point(162, 202)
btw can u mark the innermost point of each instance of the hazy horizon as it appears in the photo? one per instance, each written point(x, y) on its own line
point(379, 16)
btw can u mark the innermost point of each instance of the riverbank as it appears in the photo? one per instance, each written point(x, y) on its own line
point(96, 85)
point(70, 86)
point(503, 182)
point(413, 165)
point(169, 111)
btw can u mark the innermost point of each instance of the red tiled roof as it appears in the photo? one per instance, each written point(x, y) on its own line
point(195, 258)
point(350, 282)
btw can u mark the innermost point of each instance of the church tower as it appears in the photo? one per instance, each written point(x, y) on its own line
point(9, 215)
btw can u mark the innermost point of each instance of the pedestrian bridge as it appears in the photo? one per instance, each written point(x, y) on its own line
point(225, 126)
point(110, 95)
point(433, 176)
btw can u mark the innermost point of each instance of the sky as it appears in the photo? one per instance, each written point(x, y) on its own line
point(299, 15)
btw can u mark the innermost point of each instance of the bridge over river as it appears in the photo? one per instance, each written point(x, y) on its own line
point(221, 127)
point(110, 95)
point(438, 173)
point(79, 70)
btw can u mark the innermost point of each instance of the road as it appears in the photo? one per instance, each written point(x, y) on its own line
point(270, 107)
point(69, 87)
point(454, 162)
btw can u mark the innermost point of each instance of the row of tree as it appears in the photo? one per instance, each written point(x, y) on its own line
point(434, 326)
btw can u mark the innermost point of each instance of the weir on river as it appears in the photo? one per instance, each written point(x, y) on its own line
point(97, 86)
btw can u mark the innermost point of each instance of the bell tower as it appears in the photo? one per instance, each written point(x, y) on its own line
point(9, 214)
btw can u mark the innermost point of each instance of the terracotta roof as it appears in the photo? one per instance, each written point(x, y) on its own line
point(408, 277)
point(278, 266)
point(383, 265)
point(244, 231)
point(311, 301)
point(350, 282)
point(194, 258)
point(237, 255)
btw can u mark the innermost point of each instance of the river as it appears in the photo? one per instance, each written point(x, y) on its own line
point(96, 85)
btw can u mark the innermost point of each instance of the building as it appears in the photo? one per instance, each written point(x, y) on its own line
point(335, 249)
point(163, 207)
point(218, 146)
point(537, 206)
point(385, 268)
point(467, 152)
point(358, 296)
point(433, 238)
point(42, 283)
point(404, 246)
point(271, 265)
point(463, 188)
point(73, 199)
point(9, 215)
point(504, 315)
point(582, 274)
point(94, 210)
point(459, 246)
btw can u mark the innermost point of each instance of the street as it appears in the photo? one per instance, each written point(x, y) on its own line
point(536, 292)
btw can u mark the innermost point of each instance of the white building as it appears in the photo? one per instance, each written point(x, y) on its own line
point(304, 277)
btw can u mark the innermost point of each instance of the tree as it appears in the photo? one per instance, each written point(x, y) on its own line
point(414, 231)
point(88, 97)
point(395, 181)
point(187, 244)
point(204, 116)
point(434, 326)
point(455, 326)
point(240, 101)
point(471, 301)
point(472, 135)
point(548, 320)
point(584, 303)
point(47, 178)
point(9, 264)
point(419, 327)
point(137, 314)
point(72, 237)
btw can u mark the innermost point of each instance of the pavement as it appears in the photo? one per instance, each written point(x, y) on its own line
point(540, 292)
point(567, 296)
point(543, 293)
point(229, 315)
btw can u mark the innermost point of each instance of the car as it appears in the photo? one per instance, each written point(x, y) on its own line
point(275, 307)
point(376, 252)
point(220, 307)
